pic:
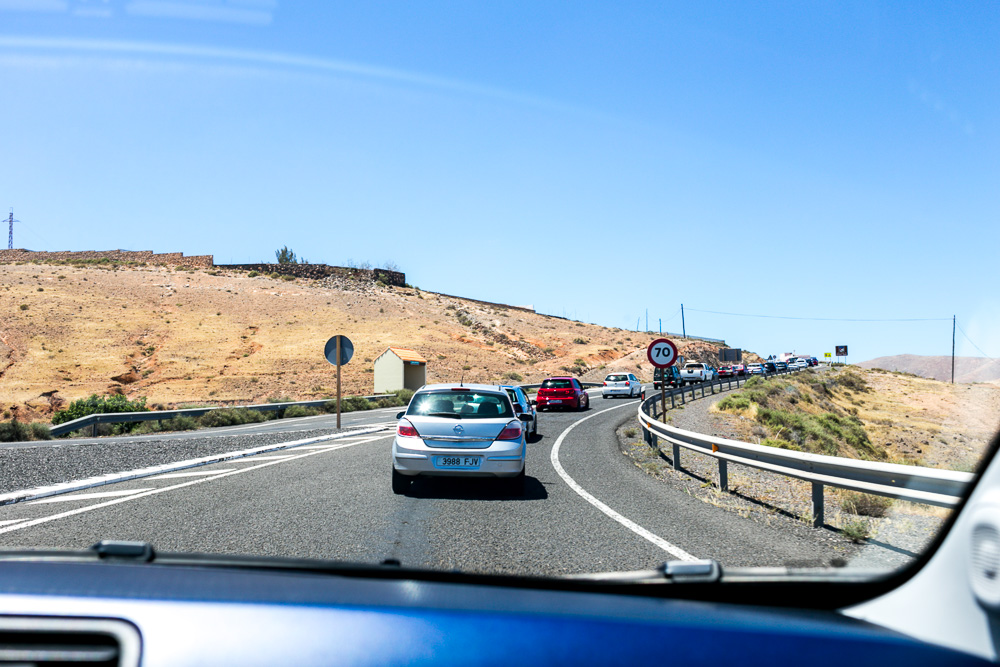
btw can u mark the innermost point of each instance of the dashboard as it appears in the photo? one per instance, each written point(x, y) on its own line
point(189, 615)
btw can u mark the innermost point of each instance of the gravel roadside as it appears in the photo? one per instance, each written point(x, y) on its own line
point(29, 467)
point(893, 540)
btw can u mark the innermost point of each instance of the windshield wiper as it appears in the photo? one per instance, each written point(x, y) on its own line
point(676, 571)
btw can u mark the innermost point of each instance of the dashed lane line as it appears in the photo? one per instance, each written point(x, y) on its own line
point(671, 549)
point(87, 496)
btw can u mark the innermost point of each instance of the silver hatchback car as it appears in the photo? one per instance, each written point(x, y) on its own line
point(460, 430)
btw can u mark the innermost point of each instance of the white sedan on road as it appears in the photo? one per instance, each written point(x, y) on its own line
point(621, 384)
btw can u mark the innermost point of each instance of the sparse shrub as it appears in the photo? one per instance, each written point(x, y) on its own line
point(466, 368)
point(299, 411)
point(630, 432)
point(95, 404)
point(856, 531)
point(513, 376)
point(182, 423)
point(14, 431)
point(580, 341)
point(252, 274)
point(864, 504)
point(275, 275)
point(781, 444)
point(355, 404)
point(40, 431)
point(287, 278)
point(24, 306)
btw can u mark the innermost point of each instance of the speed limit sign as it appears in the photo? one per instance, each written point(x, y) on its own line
point(661, 353)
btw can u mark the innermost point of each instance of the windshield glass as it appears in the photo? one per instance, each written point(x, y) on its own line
point(243, 236)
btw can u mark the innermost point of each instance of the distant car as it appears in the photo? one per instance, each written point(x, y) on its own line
point(695, 372)
point(467, 430)
point(522, 405)
point(713, 373)
point(670, 376)
point(780, 366)
point(621, 384)
point(801, 363)
point(740, 369)
point(727, 372)
point(813, 361)
point(562, 392)
point(770, 367)
point(756, 369)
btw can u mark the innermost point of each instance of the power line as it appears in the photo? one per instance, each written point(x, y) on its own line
point(973, 344)
point(825, 319)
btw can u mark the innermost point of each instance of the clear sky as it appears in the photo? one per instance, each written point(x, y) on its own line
point(811, 160)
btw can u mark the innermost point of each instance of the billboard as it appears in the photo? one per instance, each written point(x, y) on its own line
point(729, 354)
point(841, 350)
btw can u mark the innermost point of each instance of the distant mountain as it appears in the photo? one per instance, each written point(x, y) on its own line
point(967, 369)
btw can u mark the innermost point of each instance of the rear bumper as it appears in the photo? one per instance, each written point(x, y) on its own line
point(411, 457)
point(543, 402)
point(619, 391)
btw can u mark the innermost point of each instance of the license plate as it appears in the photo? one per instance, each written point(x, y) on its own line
point(555, 400)
point(458, 461)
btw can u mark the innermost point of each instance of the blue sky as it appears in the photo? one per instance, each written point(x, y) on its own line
point(815, 160)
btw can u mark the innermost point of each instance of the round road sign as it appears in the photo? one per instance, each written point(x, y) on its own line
point(662, 353)
point(346, 350)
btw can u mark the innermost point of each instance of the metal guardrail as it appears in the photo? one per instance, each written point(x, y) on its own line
point(159, 415)
point(930, 486)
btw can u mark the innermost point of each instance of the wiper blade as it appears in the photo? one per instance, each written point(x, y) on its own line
point(675, 571)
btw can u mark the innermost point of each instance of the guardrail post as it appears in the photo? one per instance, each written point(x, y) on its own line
point(724, 475)
point(672, 400)
point(677, 456)
point(817, 505)
point(93, 430)
point(702, 391)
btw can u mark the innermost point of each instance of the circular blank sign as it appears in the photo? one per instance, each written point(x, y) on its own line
point(661, 353)
point(346, 350)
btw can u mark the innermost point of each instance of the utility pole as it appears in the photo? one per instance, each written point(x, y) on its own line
point(661, 326)
point(647, 319)
point(10, 229)
point(684, 330)
point(637, 320)
point(953, 349)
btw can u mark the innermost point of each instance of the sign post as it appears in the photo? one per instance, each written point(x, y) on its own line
point(662, 353)
point(338, 351)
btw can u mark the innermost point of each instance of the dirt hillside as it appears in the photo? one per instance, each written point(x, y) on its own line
point(180, 336)
point(967, 369)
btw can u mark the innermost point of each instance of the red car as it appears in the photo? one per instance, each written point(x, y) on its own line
point(727, 372)
point(562, 392)
point(741, 369)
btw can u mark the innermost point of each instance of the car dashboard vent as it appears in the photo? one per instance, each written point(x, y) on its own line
point(54, 642)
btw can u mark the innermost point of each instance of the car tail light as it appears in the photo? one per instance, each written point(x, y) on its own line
point(627, 383)
point(406, 430)
point(511, 431)
point(605, 384)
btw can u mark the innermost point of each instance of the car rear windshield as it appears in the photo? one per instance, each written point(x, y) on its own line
point(696, 366)
point(557, 384)
point(616, 378)
point(462, 404)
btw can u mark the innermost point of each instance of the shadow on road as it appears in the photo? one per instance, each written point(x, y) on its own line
point(473, 488)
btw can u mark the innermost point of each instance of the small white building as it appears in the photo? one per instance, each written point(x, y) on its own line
point(399, 368)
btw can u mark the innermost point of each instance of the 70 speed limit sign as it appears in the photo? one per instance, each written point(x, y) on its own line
point(661, 353)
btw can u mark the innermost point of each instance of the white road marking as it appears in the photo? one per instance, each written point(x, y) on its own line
point(86, 496)
point(254, 459)
point(671, 549)
point(10, 521)
point(201, 473)
point(153, 492)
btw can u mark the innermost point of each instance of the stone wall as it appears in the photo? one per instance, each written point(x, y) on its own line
point(137, 256)
point(395, 278)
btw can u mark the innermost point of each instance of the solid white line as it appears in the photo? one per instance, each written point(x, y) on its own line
point(87, 496)
point(202, 473)
point(263, 458)
point(10, 521)
point(114, 478)
point(673, 550)
point(153, 492)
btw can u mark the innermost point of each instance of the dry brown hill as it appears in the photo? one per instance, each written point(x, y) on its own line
point(967, 369)
point(180, 335)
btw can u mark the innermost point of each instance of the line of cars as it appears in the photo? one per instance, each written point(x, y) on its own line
point(480, 430)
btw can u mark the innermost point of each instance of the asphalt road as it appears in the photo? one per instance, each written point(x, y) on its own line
point(586, 509)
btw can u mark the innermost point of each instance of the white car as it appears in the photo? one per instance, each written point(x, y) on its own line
point(621, 384)
point(460, 430)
